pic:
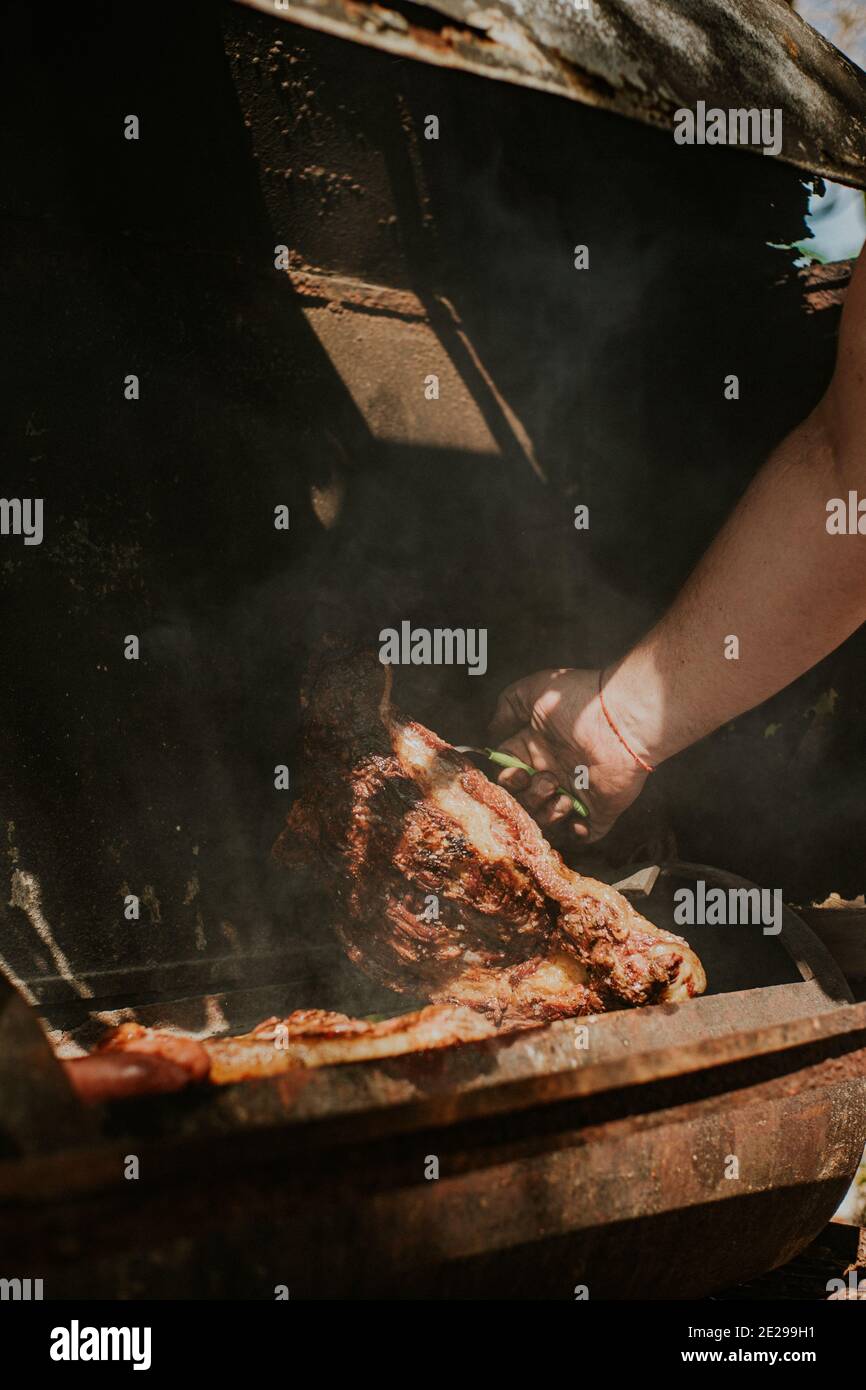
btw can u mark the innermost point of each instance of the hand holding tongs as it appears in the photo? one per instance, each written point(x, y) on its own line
point(508, 760)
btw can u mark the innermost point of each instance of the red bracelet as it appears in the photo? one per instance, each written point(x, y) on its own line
point(640, 762)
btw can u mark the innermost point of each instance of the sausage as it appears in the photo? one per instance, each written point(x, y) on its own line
point(116, 1075)
point(173, 1047)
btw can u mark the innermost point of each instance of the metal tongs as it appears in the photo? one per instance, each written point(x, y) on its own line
point(507, 760)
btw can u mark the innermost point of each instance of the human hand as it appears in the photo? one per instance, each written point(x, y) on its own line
point(554, 721)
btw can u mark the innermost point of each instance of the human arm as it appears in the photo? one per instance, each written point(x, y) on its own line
point(774, 578)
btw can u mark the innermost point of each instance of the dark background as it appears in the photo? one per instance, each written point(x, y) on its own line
point(156, 257)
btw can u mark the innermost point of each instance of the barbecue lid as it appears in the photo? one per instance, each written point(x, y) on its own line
point(645, 59)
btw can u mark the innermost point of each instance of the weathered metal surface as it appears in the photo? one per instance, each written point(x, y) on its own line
point(342, 292)
point(382, 360)
point(38, 1112)
point(642, 58)
point(842, 930)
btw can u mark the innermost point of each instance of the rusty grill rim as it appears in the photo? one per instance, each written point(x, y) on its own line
point(499, 45)
point(175, 1156)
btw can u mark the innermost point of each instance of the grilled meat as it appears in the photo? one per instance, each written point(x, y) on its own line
point(133, 1060)
point(442, 886)
point(317, 1038)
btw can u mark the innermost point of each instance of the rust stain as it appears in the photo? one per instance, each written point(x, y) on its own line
point(337, 292)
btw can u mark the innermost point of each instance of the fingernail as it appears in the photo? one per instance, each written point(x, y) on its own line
point(545, 785)
point(519, 780)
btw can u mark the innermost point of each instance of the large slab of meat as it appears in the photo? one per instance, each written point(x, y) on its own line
point(439, 883)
